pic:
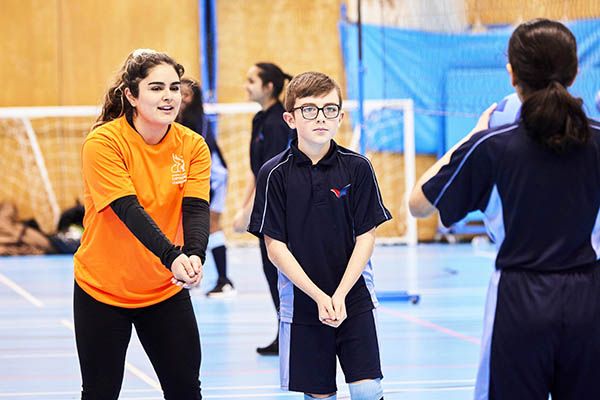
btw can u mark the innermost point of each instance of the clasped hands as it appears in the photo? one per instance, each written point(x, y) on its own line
point(332, 310)
point(187, 271)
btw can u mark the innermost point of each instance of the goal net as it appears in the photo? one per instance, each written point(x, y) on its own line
point(40, 158)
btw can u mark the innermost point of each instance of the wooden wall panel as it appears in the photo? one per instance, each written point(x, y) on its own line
point(514, 11)
point(98, 35)
point(29, 49)
point(296, 35)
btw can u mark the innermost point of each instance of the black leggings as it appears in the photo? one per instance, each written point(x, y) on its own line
point(167, 330)
point(270, 271)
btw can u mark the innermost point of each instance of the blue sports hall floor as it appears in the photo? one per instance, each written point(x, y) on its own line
point(429, 350)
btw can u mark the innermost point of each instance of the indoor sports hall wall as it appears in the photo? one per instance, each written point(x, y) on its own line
point(412, 49)
point(30, 57)
point(296, 35)
point(489, 12)
point(430, 78)
point(64, 52)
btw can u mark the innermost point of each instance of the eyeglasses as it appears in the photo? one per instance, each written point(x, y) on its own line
point(311, 111)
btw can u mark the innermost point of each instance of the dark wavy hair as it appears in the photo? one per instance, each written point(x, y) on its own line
point(136, 67)
point(543, 56)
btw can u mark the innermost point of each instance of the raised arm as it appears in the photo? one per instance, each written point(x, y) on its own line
point(418, 204)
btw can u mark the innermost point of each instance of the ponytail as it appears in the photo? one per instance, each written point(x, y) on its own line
point(115, 105)
point(554, 118)
point(543, 57)
point(269, 72)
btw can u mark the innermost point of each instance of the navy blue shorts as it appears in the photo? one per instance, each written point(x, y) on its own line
point(542, 336)
point(307, 354)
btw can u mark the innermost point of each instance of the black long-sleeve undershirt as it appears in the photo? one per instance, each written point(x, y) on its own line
point(195, 228)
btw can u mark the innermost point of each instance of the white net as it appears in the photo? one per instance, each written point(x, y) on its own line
point(389, 140)
point(40, 158)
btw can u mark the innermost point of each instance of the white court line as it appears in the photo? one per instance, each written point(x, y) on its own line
point(141, 375)
point(38, 355)
point(341, 395)
point(43, 395)
point(386, 383)
point(486, 254)
point(130, 367)
point(465, 384)
point(156, 386)
point(421, 390)
point(20, 291)
point(432, 382)
point(68, 324)
point(37, 394)
point(253, 395)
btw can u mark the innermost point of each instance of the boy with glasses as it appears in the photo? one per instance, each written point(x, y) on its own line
point(317, 205)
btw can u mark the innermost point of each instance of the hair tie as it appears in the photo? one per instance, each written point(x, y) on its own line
point(555, 78)
point(552, 82)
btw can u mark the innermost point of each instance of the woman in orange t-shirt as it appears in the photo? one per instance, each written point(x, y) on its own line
point(146, 192)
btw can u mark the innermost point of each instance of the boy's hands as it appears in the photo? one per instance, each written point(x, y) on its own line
point(339, 307)
point(326, 311)
point(187, 271)
point(332, 310)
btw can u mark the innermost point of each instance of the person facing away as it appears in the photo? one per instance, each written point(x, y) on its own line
point(317, 205)
point(537, 181)
point(146, 191)
point(191, 114)
point(270, 136)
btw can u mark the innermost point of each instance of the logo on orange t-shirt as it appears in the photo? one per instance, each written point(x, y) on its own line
point(178, 175)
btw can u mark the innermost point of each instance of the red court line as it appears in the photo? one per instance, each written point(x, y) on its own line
point(429, 324)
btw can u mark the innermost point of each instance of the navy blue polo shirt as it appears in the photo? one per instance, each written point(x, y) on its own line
point(270, 136)
point(541, 208)
point(318, 211)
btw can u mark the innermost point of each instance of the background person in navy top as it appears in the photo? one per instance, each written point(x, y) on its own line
point(317, 205)
point(270, 136)
point(538, 183)
point(191, 114)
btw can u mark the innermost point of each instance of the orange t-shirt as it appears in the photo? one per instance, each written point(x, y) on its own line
point(112, 265)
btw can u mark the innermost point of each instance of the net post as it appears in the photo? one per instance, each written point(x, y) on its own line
point(409, 169)
point(39, 160)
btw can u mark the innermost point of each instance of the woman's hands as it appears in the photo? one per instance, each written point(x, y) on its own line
point(187, 271)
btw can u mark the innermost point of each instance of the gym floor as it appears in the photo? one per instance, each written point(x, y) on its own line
point(429, 350)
